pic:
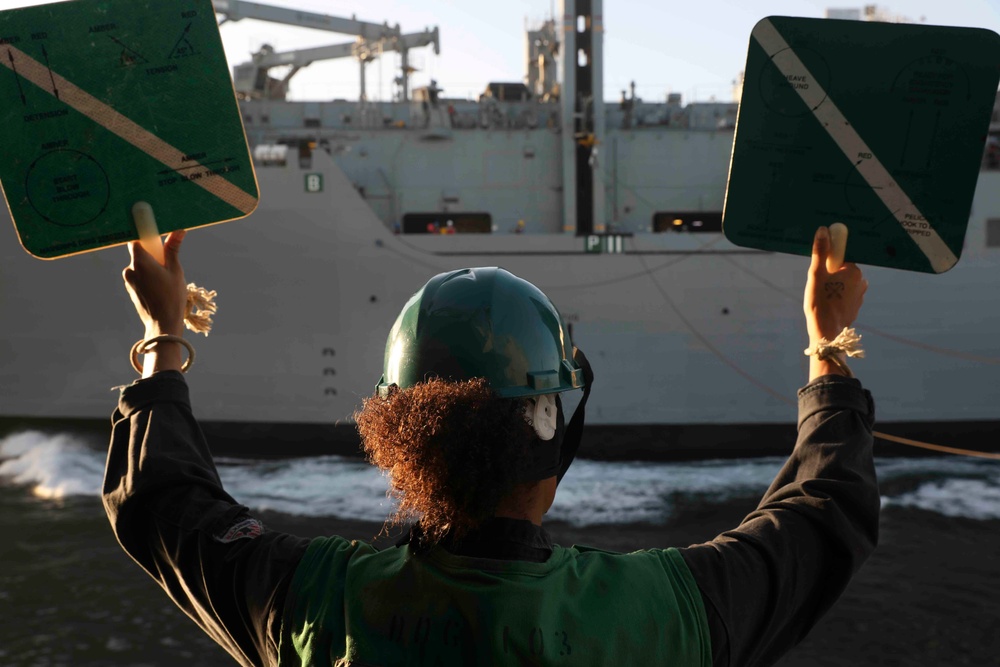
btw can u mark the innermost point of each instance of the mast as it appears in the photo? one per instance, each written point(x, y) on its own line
point(583, 117)
point(567, 100)
point(599, 149)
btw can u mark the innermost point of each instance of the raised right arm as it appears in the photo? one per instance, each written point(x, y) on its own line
point(768, 581)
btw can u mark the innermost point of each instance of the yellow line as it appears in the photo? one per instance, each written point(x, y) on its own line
point(936, 448)
point(114, 122)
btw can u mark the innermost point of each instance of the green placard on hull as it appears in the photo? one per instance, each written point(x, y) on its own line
point(879, 126)
point(104, 103)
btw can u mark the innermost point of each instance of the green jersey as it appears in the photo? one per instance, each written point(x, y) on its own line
point(350, 603)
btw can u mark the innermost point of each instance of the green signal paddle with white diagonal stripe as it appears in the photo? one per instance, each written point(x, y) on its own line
point(105, 103)
point(879, 126)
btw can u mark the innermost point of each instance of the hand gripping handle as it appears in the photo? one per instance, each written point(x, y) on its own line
point(149, 234)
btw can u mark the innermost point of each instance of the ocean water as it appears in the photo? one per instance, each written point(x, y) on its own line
point(594, 493)
point(69, 596)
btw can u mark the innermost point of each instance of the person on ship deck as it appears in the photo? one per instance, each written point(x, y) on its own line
point(474, 441)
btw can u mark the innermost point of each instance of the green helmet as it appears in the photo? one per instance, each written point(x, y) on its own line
point(481, 322)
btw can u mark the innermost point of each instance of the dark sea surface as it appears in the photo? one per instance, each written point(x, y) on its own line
point(70, 596)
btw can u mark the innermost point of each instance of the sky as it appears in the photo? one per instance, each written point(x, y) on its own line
point(694, 48)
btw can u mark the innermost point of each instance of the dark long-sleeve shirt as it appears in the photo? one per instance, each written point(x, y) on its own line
point(764, 584)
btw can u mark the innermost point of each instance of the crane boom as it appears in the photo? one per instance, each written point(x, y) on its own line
point(234, 10)
point(303, 57)
point(252, 79)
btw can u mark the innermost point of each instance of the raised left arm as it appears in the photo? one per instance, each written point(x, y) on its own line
point(170, 513)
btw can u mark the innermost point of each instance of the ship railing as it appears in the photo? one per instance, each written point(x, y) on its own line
point(488, 114)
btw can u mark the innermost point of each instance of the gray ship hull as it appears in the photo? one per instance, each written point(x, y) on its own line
point(686, 332)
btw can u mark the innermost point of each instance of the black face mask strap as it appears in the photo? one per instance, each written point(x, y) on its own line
point(574, 431)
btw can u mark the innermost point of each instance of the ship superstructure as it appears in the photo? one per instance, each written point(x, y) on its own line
point(613, 209)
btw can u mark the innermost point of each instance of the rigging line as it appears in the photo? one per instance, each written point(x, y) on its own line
point(958, 354)
point(571, 286)
point(708, 344)
point(397, 239)
point(722, 357)
point(646, 271)
point(763, 280)
point(387, 245)
point(635, 194)
point(553, 288)
point(878, 434)
point(783, 398)
point(937, 448)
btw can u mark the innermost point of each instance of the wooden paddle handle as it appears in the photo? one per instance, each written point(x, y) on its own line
point(149, 234)
point(838, 245)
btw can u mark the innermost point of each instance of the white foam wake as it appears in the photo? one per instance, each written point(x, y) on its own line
point(969, 498)
point(324, 486)
point(53, 465)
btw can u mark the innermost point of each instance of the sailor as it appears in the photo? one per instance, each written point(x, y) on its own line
point(467, 421)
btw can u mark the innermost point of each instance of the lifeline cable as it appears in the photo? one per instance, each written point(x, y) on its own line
point(943, 351)
point(937, 448)
point(704, 339)
point(884, 436)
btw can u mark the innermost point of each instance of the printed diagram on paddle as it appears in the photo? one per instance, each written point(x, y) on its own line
point(109, 102)
point(130, 57)
point(879, 126)
point(67, 187)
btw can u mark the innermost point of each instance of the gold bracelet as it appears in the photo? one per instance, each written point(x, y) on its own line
point(144, 346)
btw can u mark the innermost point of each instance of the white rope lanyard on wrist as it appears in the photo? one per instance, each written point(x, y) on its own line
point(846, 342)
point(198, 318)
point(200, 308)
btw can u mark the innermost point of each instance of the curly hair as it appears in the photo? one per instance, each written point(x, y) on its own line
point(452, 451)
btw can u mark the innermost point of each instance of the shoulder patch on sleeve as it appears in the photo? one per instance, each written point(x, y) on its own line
point(246, 529)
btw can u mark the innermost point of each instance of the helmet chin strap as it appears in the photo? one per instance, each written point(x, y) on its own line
point(558, 441)
point(574, 431)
